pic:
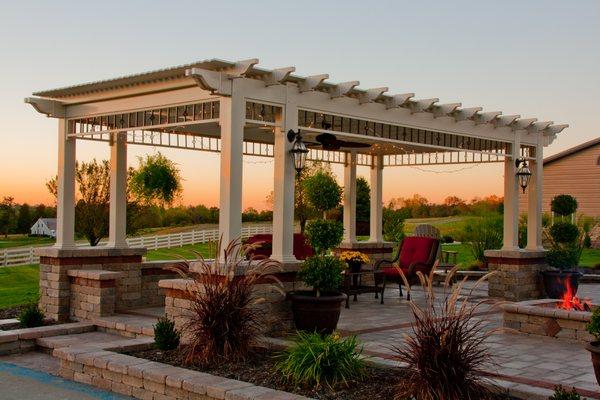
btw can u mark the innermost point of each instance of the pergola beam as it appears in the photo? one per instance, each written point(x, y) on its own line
point(465, 113)
point(486, 117)
point(398, 100)
point(371, 95)
point(279, 76)
point(51, 108)
point(422, 105)
point(505, 120)
point(523, 123)
point(444, 110)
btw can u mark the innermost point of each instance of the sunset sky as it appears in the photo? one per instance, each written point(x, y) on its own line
point(534, 58)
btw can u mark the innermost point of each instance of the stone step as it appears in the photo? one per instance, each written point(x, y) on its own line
point(129, 325)
point(93, 340)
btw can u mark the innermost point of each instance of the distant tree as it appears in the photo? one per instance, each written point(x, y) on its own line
point(92, 207)
point(363, 200)
point(157, 180)
point(24, 221)
point(7, 215)
point(303, 210)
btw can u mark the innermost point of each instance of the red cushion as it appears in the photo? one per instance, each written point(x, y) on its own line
point(416, 249)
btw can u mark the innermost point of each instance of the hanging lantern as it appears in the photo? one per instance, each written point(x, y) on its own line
point(523, 173)
point(298, 150)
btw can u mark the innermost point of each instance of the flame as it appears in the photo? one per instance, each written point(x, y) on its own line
point(572, 302)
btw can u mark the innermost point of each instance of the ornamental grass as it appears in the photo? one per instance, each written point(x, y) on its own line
point(225, 318)
point(446, 353)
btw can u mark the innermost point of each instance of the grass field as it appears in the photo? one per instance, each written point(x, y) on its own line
point(18, 285)
point(23, 240)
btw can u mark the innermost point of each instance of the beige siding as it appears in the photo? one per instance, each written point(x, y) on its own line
point(577, 174)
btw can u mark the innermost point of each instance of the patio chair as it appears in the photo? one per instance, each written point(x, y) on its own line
point(446, 259)
point(416, 254)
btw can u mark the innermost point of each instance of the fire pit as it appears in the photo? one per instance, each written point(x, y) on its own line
point(562, 319)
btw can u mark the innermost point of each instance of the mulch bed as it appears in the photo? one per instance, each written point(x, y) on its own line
point(11, 312)
point(378, 384)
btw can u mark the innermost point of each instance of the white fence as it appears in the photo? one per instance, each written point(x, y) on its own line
point(25, 255)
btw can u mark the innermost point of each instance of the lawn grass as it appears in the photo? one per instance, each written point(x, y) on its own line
point(24, 240)
point(179, 253)
point(18, 285)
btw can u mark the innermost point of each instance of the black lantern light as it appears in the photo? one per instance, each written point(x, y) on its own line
point(523, 173)
point(298, 150)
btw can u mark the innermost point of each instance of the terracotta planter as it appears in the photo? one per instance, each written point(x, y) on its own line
point(594, 348)
point(558, 283)
point(316, 314)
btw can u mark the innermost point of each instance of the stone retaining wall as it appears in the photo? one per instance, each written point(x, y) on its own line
point(541, 317)
point(93, 293)
point(23, 340)
point(143, 379)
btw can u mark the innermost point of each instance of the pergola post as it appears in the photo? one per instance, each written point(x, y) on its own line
point(231, 120)
point(65, 197)
point(350, 197)
point(118, 191)
point(534, 209)
point(511, 198)
point(283, 186)
point(376, 229)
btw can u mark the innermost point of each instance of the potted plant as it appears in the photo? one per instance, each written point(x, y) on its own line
point(354, 259)
point(594, 346)
point(318, 309)
point(566, 240)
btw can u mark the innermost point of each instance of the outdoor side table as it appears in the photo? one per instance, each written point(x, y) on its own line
point(352, 284)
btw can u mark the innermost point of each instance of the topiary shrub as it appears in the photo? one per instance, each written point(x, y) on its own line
point(314, 360)
point(322, 273)
point(564, 204)
point(322, 191)
point(166, 336)
point(587, 241)
point(594, 326)
point(324, 234)
point(393, 225)
point(564, 232)
point(563, 258)
point(31, 316)
point(560, 393)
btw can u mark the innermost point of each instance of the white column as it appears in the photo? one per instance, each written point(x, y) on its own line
point(117, 230)
point(350, 198)
point(535, 195)
point(65, 199)
point(376, 235)
point(511, 199)
point(231, 119)
point(283, 185)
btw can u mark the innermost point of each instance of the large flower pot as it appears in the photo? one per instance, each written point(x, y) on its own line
point(559, 283)
point(594, 348)
point(316, 314)
point(354, 266)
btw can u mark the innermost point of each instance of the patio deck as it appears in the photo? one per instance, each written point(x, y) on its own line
point(536, 361)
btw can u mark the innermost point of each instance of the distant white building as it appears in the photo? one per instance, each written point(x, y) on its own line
point(44, 227)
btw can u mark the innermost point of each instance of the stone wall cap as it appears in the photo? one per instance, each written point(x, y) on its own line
point(365, 245)
point(178, 284)
point(95, 274)
point(86, 251)
point(515, 253)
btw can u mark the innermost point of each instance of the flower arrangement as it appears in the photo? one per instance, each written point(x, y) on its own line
point(354, 257)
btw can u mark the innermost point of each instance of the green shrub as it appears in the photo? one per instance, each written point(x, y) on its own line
point(560, 393)
point(324, 234)
point(322, 273)
point(393, 225)
point(564, 232)
point(563, 204)
point(314, 360)
point(594, 326)
point(31, 316)
point(166, 336)
point(563, 258)
point(483, 234)
point(587, 241)
point(322, 191)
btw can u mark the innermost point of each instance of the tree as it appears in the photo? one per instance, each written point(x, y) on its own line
point(363, 200)
point(92, 207)
point(157, 180)
point(7, 215)
point(24, 221)
point(303, 210)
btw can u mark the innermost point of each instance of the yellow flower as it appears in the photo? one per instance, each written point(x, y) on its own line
point(354, 256)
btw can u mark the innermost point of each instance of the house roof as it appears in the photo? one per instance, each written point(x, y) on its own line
point(571, 151)
point(50, 223)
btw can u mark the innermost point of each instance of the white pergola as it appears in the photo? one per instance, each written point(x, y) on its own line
point(237, 109)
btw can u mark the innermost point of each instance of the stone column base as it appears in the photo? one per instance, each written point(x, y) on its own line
point(517, 275)
point(55, 285)
point(375, 251)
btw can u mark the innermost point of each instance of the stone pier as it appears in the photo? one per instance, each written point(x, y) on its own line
point(518, 274)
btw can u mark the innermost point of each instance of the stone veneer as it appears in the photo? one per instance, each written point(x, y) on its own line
point(517, 276)
point(375, 251)
point(541, 317)
point(62, 288)
point(276, 308)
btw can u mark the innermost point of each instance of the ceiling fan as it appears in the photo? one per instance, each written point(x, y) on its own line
point(329, 142)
